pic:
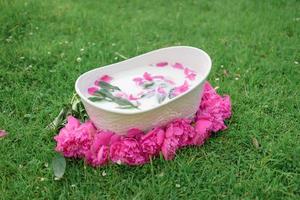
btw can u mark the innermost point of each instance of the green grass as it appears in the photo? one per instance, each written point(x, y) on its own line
point(257, 40)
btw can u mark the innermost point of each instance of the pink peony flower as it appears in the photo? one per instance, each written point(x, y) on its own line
point(215, 108)
point(135, 133)
point(78, 140)
point(178, 66)
point(127, 151)
point(202, 129)
point(182, 130)
point(147, 76)
point(3, 133)
point(92, 90)
point(161, 64)
point(151, 142)
point(98, 153)
point(179, 133)
point(74, 139)
point(169, 147)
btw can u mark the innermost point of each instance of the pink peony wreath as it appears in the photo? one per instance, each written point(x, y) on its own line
point(99, 147)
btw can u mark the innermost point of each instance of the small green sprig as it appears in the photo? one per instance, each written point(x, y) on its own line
point(105, 94)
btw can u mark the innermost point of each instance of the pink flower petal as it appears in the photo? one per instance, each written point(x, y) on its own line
point(102, 138)
point(214, 107)
point(138, 81)
point(169, 81)
point(191, 76)
point(161, 90)
point(202, 129)
point(72, 123)
point(96, 83)
point(92, 90)
point(106, 78)
point(158, 77)
point(3, 133)
point(178, 66)
point(135, 133)
point(128, 151)
point(152, 141)
point(74, 140)
point(169, 148)
point(98, 153)
point(132, 98)
point(162, 64)
point(147, 76)
point(181, 89)
point(188, 71)
point(122, 94)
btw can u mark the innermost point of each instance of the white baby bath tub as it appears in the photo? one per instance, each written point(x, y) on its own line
point(182, 106)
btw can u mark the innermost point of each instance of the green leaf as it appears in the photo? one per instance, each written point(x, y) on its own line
point(148, 94)
point(148, 85)
point(161, 97)
point(76, 104)
point(95, 99)
point(124, 102)
point(59, 166)
point(171, 93)
point(106, 94)
point(127, 107)
point(59, 120)
point(108, 86)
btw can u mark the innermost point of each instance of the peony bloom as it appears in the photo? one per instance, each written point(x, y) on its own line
point(202, 129)
point(74, 139)
point(179, 133)
point(98, 153)
point(182, 130)
point(169, 147)
point(215, 108)
point(135, 133)
point(127, 151)
point(151, 142)
point(78, 140)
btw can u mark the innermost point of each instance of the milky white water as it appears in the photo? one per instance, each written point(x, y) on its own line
point(124, 80)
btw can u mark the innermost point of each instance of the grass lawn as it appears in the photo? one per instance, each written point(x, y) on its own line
point(46, 45)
